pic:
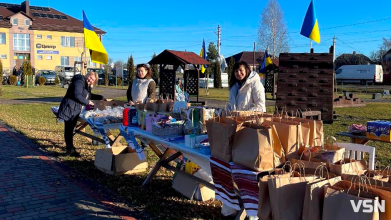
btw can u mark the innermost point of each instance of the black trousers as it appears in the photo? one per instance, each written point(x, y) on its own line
point(68, 132)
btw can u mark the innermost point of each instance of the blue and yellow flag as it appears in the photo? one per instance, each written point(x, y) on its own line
point(310, 27)
point(265, 63)
point(92, 42)
point(203, 55)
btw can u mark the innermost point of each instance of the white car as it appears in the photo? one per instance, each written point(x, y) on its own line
point(66, 72)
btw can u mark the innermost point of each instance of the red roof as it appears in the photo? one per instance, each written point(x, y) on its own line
point(172, 57)
point(44, 23)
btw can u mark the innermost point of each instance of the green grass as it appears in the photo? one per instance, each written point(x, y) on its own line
point(20, 92)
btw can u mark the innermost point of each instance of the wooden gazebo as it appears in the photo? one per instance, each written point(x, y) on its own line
point(167, 76)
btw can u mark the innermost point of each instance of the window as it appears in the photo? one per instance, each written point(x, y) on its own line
point(68, 41)
point(64, 61)
point(49, 37)
point(39, 36)
point(27, 22)
point(39, 57)
point(14, 21)
point(49, 57)
point(22, 42)
point(3, 56)
point(2, 38)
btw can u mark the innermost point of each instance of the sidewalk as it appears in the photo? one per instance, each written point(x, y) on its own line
point(34, 186)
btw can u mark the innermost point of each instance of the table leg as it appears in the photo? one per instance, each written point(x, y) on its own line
point(358, 140)
point(155, 149)
point(157, 167)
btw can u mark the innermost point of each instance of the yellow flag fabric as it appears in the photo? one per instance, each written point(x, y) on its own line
point(92, 42)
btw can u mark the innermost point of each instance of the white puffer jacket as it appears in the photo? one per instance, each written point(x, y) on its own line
point(249, 97)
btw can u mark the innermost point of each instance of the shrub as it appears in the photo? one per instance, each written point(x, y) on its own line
point(119, 81)
point(13, 80)
point(41, 80)
point(56, 80)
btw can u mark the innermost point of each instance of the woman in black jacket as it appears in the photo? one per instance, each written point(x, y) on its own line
point(78, 95)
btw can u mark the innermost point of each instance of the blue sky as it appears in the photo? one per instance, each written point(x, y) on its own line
point(141, 28)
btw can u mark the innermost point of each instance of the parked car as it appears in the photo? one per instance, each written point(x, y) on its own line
point(122, 76)
point(101, 79)
point(49, 75)
point(66, 72)
point(97, 70)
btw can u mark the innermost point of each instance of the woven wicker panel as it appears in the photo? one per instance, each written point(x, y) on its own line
point(167, 82)
point(191, 82)
point(269, 82)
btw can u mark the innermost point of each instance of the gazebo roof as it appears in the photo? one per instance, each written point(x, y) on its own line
point(172, 57)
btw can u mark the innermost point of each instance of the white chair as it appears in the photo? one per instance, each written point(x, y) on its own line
point(356, 151)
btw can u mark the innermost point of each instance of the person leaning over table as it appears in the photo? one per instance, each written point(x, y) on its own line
point(246, 92)
point(78, 95)
point(143, 87)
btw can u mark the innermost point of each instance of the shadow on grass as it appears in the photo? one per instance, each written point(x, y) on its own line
point(41, 100)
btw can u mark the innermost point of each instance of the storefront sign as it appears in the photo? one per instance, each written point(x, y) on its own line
point(44, 46)
point(48, 52)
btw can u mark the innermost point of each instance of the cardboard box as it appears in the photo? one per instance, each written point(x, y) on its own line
point(191, 188)
point(101, 105)
point(379, 130)
point(119, 160)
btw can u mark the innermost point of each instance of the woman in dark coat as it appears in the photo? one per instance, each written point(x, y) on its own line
point(78, 95)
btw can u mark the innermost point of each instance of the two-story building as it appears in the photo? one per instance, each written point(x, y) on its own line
point(45, 36)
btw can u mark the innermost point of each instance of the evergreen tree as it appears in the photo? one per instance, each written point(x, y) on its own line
point(217, 75)
point(212, 53)
point(155, 71)
point(24, 69)
point(107, 70)
point(130, 67)
point(230, 69)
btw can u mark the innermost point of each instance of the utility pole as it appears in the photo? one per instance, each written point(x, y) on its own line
point(254, 58)
point(218, 39)
point(334, 41)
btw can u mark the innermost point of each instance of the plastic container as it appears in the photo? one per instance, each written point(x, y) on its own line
point(130, 117)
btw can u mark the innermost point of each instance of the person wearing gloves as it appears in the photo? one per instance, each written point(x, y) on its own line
point(246, 92)
point(78, 95)
point(143, 87)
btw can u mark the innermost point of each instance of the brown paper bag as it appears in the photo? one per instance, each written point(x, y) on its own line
point(151, 106)
point(264, 206)
point(314, 197)
point(382, 192)
point(290, 135)
point(337, 205)
point(348, 166)
point(221, 134)
point(287, 197)
point(253, 147)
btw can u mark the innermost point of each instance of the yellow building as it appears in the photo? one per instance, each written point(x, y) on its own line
point(45, 36)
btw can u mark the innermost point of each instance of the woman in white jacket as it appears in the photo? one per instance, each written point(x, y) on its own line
point(246, 92)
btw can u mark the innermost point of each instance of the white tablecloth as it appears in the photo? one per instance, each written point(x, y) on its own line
point(193, 154)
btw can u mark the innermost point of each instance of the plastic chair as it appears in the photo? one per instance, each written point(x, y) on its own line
point(356, 151)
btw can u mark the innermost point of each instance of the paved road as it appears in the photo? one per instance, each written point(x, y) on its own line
point(35, 186)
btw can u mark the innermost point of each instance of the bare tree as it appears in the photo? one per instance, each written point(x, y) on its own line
point(273, 32)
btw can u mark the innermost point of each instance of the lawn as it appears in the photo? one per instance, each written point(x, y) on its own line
point(158, 199)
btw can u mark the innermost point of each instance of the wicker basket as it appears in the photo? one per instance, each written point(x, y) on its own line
point(168, 130)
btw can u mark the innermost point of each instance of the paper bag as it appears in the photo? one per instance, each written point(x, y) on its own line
point(221, 134)
point(253, 147)
point(337, 205)
point(287, 197)
point(314, 197)
point(348, 166)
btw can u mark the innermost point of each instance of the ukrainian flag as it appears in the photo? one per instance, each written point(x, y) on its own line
point(265, 63)
point(203, 55)
point(92, 42)
point(310, 27)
